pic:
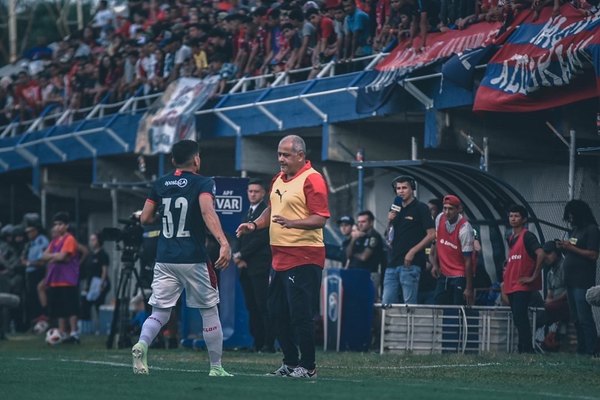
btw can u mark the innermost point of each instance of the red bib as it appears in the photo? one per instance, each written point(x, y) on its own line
point(519, 264)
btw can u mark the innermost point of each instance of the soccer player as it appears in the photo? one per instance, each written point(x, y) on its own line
point(297, 212)
point(184, 200)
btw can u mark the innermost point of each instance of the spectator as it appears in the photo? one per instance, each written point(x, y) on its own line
point(337, 15)
point(35, 270)
point(413, 231)
point(94, 278)
point(366, 248)
point(425, 20)
point(522, 273)
point(253, 259)
point(581, 254)
point(345, 224)
point(257, 38)
point(357, 31)
point(273, 39)
point(28, 96)
point(104, 17)
point(309, 38)
point(290, 47)
point(451, 259)
point(556, 304)
point(62, 278)
point(7, 101)
point(326, 48)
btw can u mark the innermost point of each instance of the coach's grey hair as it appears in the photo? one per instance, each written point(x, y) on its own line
point(297, 143)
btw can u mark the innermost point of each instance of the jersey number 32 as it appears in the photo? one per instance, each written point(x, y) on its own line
point(167, 220)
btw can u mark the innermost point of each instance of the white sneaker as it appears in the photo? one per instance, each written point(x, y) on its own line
point(284, 370)
point(301, 372)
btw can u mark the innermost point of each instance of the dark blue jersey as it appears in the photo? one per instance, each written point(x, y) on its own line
point(183, 233)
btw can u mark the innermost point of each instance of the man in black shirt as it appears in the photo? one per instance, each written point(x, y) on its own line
point(413, 231)
point(366, 248)
point(581, 254)
point(254, 261)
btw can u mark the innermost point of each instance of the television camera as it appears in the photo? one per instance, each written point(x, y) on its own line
point(129, 241)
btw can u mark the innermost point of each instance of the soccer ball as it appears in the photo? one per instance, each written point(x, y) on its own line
point(40, 327)
point(53, 337)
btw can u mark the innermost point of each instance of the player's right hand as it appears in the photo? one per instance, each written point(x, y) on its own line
point(224, 257)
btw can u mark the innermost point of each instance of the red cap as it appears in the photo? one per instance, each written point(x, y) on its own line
point(452, 200)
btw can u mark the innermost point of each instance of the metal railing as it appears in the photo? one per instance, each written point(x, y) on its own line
point(429, 329)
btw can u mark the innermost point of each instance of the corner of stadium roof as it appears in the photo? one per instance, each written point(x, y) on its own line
point(85, 139)
point(485, 198)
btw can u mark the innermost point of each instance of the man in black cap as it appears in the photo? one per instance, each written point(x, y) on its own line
point(345, 223)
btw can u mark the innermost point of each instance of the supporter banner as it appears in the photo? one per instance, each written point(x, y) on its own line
point(171, 118)
point(460, 68)
point(538, 58)
point(441, 45)
point(404, 60)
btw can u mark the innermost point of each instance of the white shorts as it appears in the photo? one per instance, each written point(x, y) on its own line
point(199, 283)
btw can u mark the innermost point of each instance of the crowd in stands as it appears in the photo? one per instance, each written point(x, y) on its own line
point(152, 43)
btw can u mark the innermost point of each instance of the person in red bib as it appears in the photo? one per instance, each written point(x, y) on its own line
point(297, 212)
point(452, 265)
point(522, 273)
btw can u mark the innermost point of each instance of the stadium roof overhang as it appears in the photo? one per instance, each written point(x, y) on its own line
point(485, 200)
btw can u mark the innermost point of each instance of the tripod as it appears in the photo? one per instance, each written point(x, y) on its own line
point(119, 328)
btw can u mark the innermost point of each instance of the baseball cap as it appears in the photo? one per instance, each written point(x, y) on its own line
point(452, 200)
point(346, 219)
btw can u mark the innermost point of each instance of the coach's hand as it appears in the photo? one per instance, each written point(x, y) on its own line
point(224, 257)
point(284, 222)
point(246, 227)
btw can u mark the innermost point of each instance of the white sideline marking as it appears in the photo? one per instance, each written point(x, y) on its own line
point(464, 388)
point(414, 366)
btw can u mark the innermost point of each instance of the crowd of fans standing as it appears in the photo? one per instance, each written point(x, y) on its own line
point(152, 43)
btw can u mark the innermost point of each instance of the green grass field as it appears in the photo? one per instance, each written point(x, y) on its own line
point(30, 369)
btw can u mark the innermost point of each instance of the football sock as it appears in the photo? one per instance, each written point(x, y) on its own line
point(213, 335)
point(153, 324)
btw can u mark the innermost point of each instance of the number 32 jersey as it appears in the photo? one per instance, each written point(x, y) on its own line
point(183, 233)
